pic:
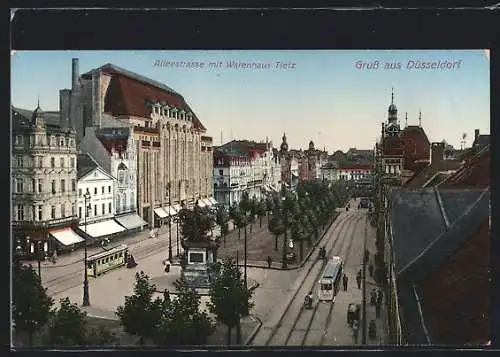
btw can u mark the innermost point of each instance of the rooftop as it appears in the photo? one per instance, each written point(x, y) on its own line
point(85, 164)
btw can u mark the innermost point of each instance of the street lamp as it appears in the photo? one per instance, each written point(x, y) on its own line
point(86, 299)
point(284, 263)
point(169, 225)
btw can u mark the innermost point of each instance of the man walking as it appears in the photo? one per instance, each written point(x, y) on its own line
point(269, 261)
point(370, 270)
point(358, 279)
point(345, 280)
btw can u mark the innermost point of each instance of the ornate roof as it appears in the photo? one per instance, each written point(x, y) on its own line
point(128, 94)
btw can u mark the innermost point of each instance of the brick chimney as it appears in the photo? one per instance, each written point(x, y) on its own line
point(476, 134)
point(75, 73)
point(437, 154)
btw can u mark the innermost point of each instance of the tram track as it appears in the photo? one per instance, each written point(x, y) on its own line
point(324, 309)
point(70, 278)
point(336, 233)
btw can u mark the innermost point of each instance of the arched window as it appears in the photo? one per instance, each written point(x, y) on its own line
point(122, 174)
point(124, 202)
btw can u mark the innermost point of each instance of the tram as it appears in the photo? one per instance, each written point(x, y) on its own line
point(330, 279)
point(112, 258)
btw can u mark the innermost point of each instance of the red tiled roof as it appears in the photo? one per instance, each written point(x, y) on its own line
point(416, 144)
point(456, 297)
point(475, 173)
point(119, 145)
point(128, 96)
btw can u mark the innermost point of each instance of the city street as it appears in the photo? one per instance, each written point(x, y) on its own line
point(326, 324)
point(289, 324)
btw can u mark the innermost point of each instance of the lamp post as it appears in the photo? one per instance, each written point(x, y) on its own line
point(245, 249)
point(86, 299)
point(177, 235)
point(169, 225)
point(283, 199)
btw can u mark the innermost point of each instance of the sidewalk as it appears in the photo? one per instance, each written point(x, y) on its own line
point(381, 322)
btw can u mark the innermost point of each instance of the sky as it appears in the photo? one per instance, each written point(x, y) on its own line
point(336, 98)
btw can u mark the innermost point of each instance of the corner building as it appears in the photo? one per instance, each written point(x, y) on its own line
point(174, 157)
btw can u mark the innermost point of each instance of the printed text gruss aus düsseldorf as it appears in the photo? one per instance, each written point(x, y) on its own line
point(410, 64)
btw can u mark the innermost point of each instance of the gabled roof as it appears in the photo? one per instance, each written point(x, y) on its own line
point(475, 173)
point(430, 171)
point(128, 94)
point(85, 164)
point(451, 217)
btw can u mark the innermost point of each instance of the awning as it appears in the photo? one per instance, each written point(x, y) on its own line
point(66, 236)
point(101, 229)
point(207, 202)
point(131, 221)
point(160, 212)
point(170, 210)
point(201, 203)
point(177, 207)
point(212, 200)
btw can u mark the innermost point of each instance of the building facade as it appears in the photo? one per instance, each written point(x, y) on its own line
point(44, 182)
point(243, 168)
point(174, 159)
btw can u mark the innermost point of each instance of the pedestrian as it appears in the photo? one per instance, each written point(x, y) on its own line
point(378, 307)
point(345, 280)
point(269, 261)
point(367, 256)
point(373, 297)
point(355, 330)
point(370, 270)
point(358, 279)
point(380, 296)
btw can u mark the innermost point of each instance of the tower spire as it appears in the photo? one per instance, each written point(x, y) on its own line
point(406, 119)
point(420, 118)
point(392, 95)
point(38, 101)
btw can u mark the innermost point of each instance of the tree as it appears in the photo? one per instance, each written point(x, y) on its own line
point(299, 235)
point(67, 326)
point(230, 299)
point(181, 321)
point(195, 224)
point(222, 219)
point(261, 211)
point(31, 305)
point(276, 227)
point(140, 314)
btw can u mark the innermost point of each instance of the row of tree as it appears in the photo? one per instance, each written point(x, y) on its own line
point(162, 321)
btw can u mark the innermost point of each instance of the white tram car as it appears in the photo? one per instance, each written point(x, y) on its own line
point(113, 258)
point(330, 279)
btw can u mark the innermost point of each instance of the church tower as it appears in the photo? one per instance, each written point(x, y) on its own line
point(284, 145)
point(392, 128)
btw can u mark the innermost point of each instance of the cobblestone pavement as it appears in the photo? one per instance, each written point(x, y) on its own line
point(382, 323)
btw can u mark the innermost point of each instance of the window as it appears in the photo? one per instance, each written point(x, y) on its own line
point(95, 210)
point(73, 185)
point(63, 210)
point(19, 161)
point(102, 190)
point(109, 189)
point(79, 212)
point(73, 208)
point(61, 141)
point(19, 139)
point(20, 212)
point(72, 162)
point(79, 192)
point(63, 186)
point(40, 161)
point(33, 185)
point(53, 186)
point(109, 207)
point(19, 185)
point(95, 190)
point(103, 207)
point(61, 161)
point(196, 257)
point(53, 212)
point(52, 162)
point(221, 172)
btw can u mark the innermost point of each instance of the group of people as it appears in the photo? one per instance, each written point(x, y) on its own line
point(376, 297)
